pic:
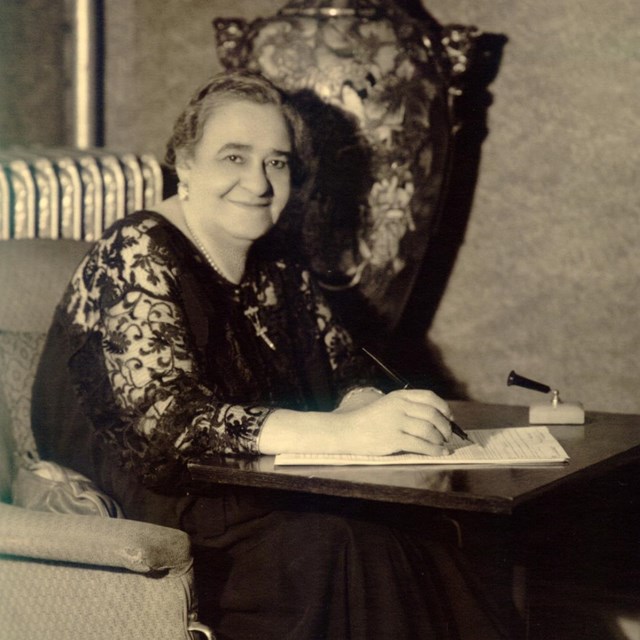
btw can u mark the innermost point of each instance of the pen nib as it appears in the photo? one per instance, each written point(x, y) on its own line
point(459, 431)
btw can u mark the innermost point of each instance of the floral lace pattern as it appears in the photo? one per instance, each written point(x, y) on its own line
point(159, 399)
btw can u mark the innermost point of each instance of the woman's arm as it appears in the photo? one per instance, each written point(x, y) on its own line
point(366, 421)
point(128, 299)
point(411, 420)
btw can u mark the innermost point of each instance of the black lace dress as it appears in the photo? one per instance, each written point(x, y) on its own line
point(152, 361)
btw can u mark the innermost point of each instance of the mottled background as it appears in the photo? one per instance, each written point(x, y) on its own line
point(546, 281)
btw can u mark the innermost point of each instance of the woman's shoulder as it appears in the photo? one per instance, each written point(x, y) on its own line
point(143, 230)
point(131, 255)
point(138, 224)
point(139, 247)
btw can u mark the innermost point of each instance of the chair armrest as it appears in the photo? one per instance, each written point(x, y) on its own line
point(92, 540)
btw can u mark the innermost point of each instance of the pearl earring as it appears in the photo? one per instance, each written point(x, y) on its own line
point(183, 191)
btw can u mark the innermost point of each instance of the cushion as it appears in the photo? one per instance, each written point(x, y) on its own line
point(33, 276)
point(19, 355)
point(47, 486)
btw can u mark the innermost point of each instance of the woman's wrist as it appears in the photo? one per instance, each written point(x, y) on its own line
point(359, 397)
point(288, 431)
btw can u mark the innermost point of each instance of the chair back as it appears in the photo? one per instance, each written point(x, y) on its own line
point(376, 83)
point(33, 276)
point(53, 204)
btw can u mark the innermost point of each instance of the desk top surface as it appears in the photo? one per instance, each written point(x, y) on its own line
point(605, 442)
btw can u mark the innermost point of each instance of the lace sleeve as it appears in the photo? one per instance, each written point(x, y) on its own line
point(166, 415)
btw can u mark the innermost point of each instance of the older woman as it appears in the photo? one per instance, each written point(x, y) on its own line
point(189, 330)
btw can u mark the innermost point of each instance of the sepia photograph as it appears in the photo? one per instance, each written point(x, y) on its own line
point(319, 320)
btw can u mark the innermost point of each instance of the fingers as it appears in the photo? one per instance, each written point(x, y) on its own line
point(432, 418)
point(425, 397)
point(435, 413)
point(411, 444)
point(411, 420)
point(424, 430)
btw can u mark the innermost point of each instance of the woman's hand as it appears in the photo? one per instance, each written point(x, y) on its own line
point(411, 420)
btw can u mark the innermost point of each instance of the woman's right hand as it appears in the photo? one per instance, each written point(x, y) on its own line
point(410, 420)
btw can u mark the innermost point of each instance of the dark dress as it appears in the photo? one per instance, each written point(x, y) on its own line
point(152, 361)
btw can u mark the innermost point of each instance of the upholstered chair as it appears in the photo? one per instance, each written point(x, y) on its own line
point(70, 565)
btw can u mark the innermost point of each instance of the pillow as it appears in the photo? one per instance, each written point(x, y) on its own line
point(19, 355)
point(47, 486)
point(40, 485)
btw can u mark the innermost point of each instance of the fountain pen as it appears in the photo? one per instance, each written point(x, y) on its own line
point(404, 384)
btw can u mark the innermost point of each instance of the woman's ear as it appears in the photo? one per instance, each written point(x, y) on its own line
point(183, 166)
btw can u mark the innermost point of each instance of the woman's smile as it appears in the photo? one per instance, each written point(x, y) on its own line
point(251, 205)
point(239, 176)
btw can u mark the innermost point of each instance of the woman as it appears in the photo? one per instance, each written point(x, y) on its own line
point(186, 331)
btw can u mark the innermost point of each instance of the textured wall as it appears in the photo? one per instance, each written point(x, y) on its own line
point(155, 59)
point(547, 281)
point(32, 79)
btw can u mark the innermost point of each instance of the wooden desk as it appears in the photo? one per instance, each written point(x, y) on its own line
point(605, 442)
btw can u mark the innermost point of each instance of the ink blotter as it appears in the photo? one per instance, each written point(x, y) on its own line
point(554, 412)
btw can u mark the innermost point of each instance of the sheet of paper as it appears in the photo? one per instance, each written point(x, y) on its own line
point(508, 446)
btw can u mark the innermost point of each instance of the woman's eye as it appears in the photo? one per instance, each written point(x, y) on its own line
point(279, 163)
point(236, 159)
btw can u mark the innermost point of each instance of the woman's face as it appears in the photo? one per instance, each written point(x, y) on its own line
point(239, 177)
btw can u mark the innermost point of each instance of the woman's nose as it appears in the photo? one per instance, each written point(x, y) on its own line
point(257, 180)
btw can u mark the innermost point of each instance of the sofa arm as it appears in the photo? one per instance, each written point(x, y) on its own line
point(92, 540)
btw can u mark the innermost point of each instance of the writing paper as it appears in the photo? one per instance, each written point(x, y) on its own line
point(508, 446)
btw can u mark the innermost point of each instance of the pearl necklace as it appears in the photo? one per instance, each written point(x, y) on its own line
point(251, 312)
point(204, 251)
